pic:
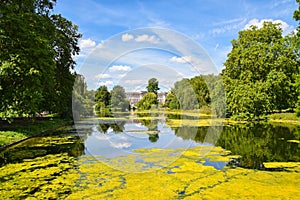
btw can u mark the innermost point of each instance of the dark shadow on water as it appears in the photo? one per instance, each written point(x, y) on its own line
point(257, 143)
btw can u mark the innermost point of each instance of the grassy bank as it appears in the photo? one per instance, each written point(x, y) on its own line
point(288, 118)
point(18, 130)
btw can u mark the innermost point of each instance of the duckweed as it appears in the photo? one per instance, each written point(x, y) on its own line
point(149, 173)
point(183, 178)
point(51, 176)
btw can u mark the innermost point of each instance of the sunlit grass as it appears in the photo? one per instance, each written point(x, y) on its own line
point(20, 131)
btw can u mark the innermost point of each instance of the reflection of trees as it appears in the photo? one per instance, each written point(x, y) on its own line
point(103, 127)
point(117, 127)
point(191, 133)
point(150, 121)
point(153, 137)
point(258, 143)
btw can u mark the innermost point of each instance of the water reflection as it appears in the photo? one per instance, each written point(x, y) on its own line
point(256, 143)
point(117, 127)
point(261, 142)
point(150, 121)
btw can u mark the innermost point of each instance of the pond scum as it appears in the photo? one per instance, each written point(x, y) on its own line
point(148, 174)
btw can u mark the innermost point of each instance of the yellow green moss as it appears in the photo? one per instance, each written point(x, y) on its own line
point(147, 174)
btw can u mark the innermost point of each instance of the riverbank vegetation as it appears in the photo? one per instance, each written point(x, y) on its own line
point(20, 129)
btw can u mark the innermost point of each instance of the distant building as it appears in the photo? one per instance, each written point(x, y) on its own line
point(134, 97)
point(162, 97)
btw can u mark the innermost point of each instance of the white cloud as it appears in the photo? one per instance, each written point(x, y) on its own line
point(259, 23)
point(100, 46)
point(126, 37)
point(122, 75)
point(229, 25)
point(102, 76)
point(106, 83)
point(135, 81)
point(87, 44)
point(117, 68)
point(147, 38)
point(184, 59)
point(120, 145)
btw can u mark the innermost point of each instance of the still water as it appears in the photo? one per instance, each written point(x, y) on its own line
point(255, 143)
point(103, 159)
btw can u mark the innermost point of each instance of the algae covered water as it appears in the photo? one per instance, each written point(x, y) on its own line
point(138, 157)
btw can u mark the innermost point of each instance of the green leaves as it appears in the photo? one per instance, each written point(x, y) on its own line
point(148, 101)
point(35, 58)
point(118, 99)
point(153, 85)
point(259, 73)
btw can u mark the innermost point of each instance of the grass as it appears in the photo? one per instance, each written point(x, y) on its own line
point(288, 118)
point(20, 130)
point(284, 116)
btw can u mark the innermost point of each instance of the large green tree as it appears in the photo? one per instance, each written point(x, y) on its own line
point(295, 39)
point(83, 99)
point(260, 70)
point(35, 58)
point(102, 98)
point(153, 85)
point(188, 94)
point(118, 99)
point(148, 101)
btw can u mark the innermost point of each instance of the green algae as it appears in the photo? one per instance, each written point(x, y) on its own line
point(51, 176)
point(144, 174)
point(148, 173)
point(294, 141)
point(183, 178)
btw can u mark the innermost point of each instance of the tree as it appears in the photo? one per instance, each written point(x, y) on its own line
point(171, 101)
point(65, 45)
point(148, 101)
point(217, 95)
point(102, 98)
point(35, 58)
point(201, 90)
point(182, 96)
point(257, 57)
point(118, 99)
point(83, 99)
point(295, 39)
point(297, 16)
point(153, 85)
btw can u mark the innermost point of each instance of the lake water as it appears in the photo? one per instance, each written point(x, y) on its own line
point(254, 142)
point(115, 142)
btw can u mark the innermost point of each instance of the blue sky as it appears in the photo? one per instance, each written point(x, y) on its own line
point(211, 24)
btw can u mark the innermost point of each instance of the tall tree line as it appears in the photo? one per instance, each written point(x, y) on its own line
point(35, 58)
point(261, 76)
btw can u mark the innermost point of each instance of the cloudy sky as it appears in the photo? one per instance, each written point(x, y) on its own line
point(128, 42)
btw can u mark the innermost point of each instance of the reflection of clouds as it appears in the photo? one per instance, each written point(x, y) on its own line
point(120, 145)
point(102, 137)
point(122, 137)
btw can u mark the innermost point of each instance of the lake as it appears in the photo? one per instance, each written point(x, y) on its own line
point(130, 155)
